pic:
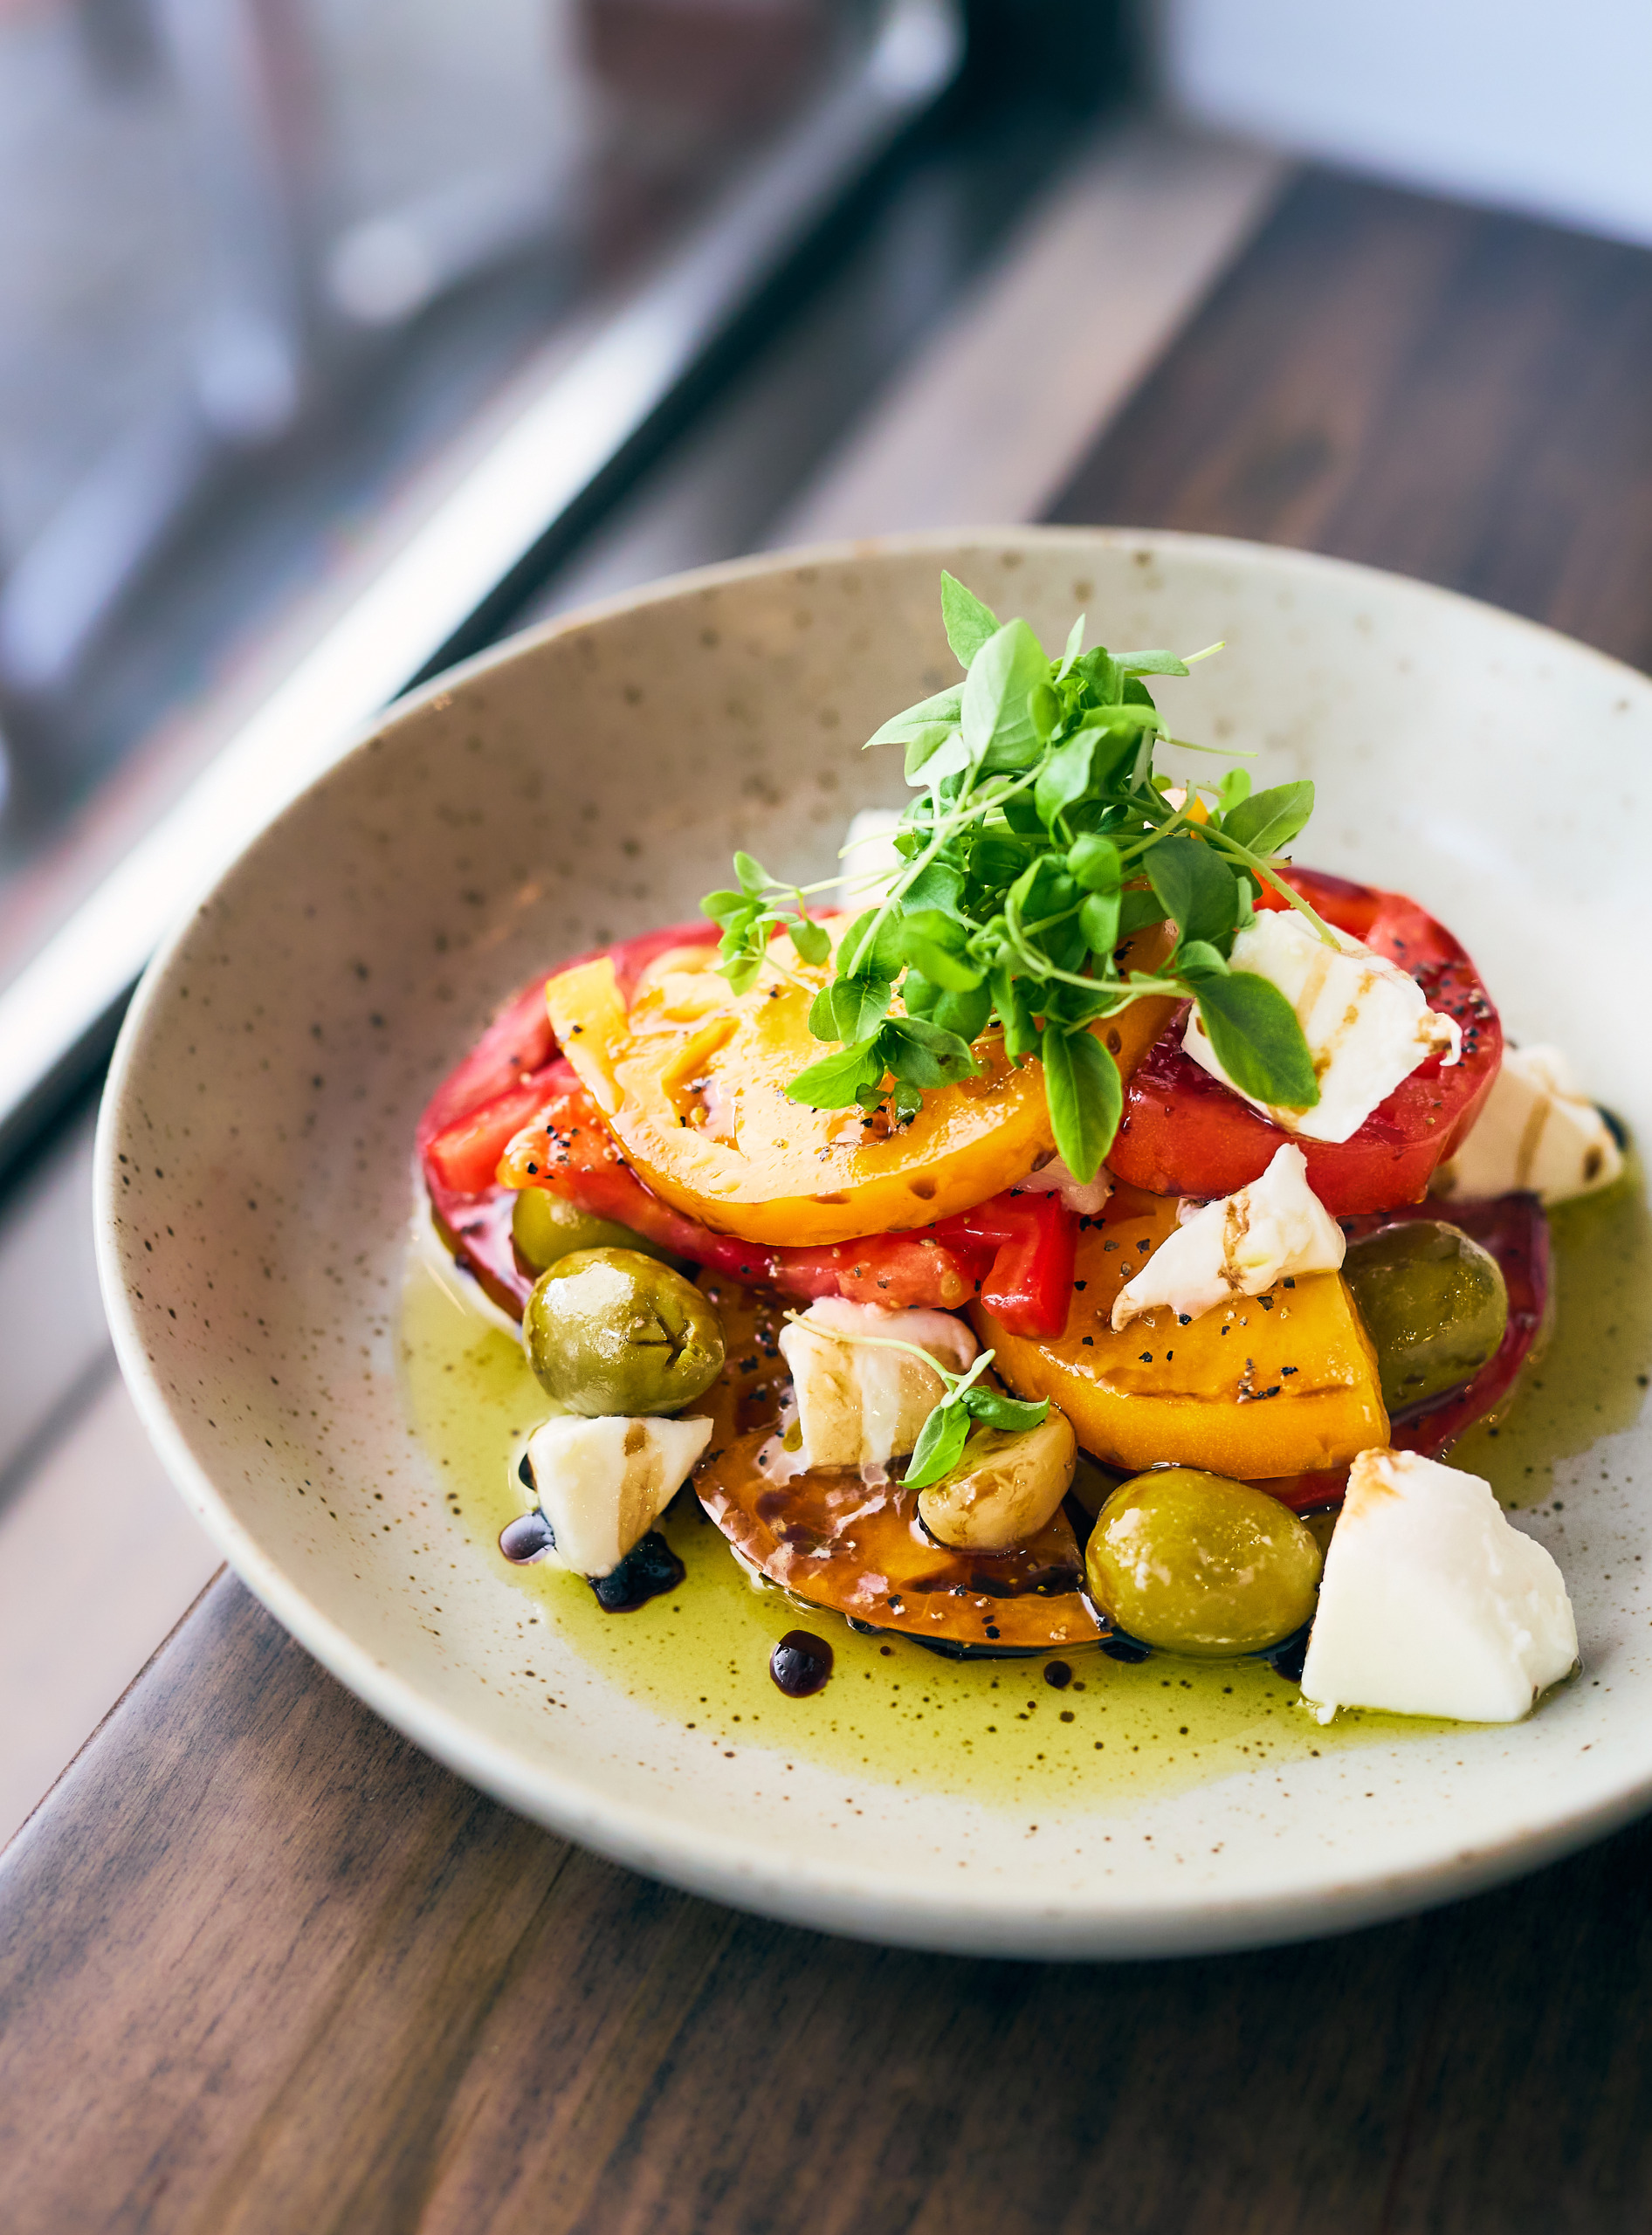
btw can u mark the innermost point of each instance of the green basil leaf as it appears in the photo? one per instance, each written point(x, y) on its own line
point(1098, 921)
point(939, 884)
point(1086, 1099)
point(1194, 886)
point(966, 1013)
point(850, 1008)
point(935, 943)
point(1011, 998)
point(1234, 786)
point(922, 746)
point(997, 860)
point(1075, 645)
point(1151, 664)
point(1097, 671)
point(838, 1080)
point(940, 1446)
point(724, 907)
point(743, 971)
point(1257, 1039)
point(1093, 862)
point(812, 941)
point(917, 996)
point(968, 623)
point(999, 732)
point(1267, 821)
point(752, 874)
point(1065, 777)
point(1010, 1414)
point(924, 1055)
point(883, 959)
point(1196, 958)
point(1137, 909)
point(939, 712)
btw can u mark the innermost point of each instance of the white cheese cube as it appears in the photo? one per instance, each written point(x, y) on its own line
point(1537, 1130)
point(1365, 1020)
point(1238, 1246)
point(1432, 1602)
point(859, 1404)
point(870, 861)
point(602, 1484)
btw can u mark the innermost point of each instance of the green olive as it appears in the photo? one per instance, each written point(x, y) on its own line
point(1197, 1565)
point(546, 1227)
point(1434, 1303)
point(612, 1332)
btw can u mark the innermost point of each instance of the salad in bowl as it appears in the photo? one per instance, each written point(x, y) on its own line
point(1079, 1232)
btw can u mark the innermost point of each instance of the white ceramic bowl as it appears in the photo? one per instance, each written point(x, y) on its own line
point(587, 781)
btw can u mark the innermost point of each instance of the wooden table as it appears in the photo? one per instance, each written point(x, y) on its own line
point(264, 1967)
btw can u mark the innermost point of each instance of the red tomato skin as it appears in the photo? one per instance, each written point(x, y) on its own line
point(1184, 1134)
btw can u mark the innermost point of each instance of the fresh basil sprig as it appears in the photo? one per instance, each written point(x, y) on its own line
point(1041, 840)
point(941, 1440)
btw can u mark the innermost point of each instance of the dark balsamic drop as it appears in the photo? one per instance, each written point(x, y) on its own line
point(800, 1663)
point(1120, 1648)
point(1058, 1673)
point(525, 1473)
point(649, 1569)
point(529, 1537)
point(1286, 1660)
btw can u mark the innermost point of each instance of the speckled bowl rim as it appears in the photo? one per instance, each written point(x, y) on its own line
point(814, 1891)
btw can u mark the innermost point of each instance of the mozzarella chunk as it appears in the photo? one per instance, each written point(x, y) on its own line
point(858, 1405)
point(1238, 1246)
point(1432, 1603)
point(1537, 1130)
point(1086, 1197)
point(1365, 1020)
point(602, 1484)
point(872, 866)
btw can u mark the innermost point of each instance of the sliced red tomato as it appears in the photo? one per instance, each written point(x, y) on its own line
point(1034, 1240)
point(519, 1040)
point(1516, 1232)
point(1184, 1134)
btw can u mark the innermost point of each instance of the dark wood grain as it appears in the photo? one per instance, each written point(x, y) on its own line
point(1453, 394)
point(264, 1967)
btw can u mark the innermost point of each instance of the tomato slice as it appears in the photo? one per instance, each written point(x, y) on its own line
point(1184, 1134)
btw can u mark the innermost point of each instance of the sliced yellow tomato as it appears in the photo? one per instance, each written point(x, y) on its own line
point(692, 1079)
point(1280, 1384)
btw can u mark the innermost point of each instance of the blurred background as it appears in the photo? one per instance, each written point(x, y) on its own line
point(339, 337)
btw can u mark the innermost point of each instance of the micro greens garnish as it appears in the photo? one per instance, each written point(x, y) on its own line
point(940, 1443)
point(1042, 840)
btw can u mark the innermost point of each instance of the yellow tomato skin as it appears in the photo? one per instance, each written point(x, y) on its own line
point(1215, 1394)
point(692, 1080)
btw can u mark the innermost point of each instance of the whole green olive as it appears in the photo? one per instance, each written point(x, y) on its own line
point(1434, 1303)
point(1197, 1565)
point(546, 1227)
point(612, 1332)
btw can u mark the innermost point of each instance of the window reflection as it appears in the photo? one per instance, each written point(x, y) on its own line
point(260, 260)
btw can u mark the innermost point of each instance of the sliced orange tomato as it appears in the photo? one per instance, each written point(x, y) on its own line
point(1276, 1385)
point(691, 1079)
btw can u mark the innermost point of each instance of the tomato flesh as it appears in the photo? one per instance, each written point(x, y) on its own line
point(1184, 1134)
point(1016, 1251)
